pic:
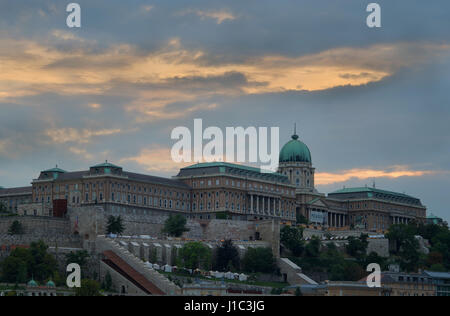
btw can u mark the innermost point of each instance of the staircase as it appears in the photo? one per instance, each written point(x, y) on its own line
point(160, 282)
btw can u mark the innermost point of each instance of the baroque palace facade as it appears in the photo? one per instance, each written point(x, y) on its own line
point(221, 190)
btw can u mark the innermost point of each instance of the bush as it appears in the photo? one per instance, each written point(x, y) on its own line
point(195, 255)
point(259, 260)
point(227, 257)
point(175, 225)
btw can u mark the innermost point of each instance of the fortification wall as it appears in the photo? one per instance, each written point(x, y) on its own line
point(91, 221)
point(55, 232)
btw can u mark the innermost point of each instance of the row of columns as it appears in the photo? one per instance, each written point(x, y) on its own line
point(337, 220)
point(332, 219)
point(399, 220)
point(260, 204)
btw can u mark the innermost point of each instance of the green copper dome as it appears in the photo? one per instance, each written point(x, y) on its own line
point(32, 283)
point(295, 151)
point(51, 284)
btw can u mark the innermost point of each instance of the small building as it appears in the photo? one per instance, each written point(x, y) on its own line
point(442, 282)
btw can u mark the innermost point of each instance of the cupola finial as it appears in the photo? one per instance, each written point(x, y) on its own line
point(295, 136)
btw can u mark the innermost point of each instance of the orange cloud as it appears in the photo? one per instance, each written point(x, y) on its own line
point(324, 178)
point(156, 159)
point(174, 74)
point(66, 135)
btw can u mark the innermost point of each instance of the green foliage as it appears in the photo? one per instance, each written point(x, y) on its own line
point(22, 264)
point(80, 257)
point(175, 225)
point(195, 255)
point(312, 248)
point(291, 238)
point(437, 267)
point(259, 260)
point(357, 247)
point(14, 270)
point(115, 225)
point(107, 282)
point(3, 208)
point(227, 257)
point(88, 288)
point(373, 257)
point(400, 234)
point(16, 228)
point(406, 246)
point(298, 291)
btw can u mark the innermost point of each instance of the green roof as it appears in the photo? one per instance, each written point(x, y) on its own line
point(295, 151)
point(367, 189)
point(313, 201)
point(371, 191)
point(32, 283)
point(231, 165)
point(55, 170)
point(432, 216)
point(51, 284)
point(106, 164)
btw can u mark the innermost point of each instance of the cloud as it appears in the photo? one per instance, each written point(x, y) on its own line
point(173, 74)
point(157, 159)
point(73, 135)
point(147, 8)
point(81, 152)
point(326, 178)
point(219, 15)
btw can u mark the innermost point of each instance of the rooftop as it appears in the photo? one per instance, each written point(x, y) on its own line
point(226, 167)
point(438, 275)
point(377, 193)
point(18, 190)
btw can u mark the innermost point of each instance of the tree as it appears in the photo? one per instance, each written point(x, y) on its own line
point(80, 257)
point(438, 268)
point(175, 225)
point(88, 288)
point(23, 264)
point(312, 248)
point(3, 208)
point(398, 234)
point(409, 255)
point(259, 260)
point(373, 257)
point(115, 225)
point(16, 228)
point(14, 270)
point(406, 245)
point(195, 255)
point(435, 257)
point(43, 264)
point(107, 282)
point(227, 257)
point(292, 239)
point(357, 247)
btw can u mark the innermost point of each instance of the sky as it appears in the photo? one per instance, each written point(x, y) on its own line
point(371, 103)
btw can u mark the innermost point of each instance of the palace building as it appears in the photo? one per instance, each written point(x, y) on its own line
point(369, 209)
point(220, 190)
